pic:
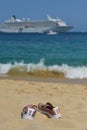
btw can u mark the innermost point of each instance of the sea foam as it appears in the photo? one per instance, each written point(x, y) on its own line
point(70, 72)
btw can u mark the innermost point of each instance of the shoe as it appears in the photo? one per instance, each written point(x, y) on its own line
point(49, 110)
point(29, 112)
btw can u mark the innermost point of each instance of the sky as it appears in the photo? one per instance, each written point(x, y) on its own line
point(73, 12)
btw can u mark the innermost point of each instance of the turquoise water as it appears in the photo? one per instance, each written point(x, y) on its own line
point(66, 53)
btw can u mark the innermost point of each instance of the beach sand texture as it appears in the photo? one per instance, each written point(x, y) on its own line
point(71, 99)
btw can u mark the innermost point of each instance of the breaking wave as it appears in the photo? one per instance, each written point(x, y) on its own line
point(40, 69)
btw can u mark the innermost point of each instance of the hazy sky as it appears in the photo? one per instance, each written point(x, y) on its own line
point(73, 12)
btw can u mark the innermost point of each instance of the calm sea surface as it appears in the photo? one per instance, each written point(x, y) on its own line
point(64, 53)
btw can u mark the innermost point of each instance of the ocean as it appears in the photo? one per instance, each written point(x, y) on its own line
point(59, 55)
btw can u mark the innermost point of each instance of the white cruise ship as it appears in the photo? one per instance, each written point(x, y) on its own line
point(15, 25)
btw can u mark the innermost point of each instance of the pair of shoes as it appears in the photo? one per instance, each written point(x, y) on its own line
point(29, 112)
point(49, 110)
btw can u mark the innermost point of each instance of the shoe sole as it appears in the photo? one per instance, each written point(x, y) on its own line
point(49, 115)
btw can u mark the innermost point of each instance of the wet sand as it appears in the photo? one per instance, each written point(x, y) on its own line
point(46, 79)
point(71, 97)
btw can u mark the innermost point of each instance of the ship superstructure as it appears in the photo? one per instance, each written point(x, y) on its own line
point(14, 25)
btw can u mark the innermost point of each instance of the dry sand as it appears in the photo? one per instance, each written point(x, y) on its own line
point(71, 99)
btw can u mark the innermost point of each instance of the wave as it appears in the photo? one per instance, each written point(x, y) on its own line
point(40, 69)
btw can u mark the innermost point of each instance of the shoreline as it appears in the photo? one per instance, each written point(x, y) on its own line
point(47, 79)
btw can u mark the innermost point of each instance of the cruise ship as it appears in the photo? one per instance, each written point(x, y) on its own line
point(50, 25)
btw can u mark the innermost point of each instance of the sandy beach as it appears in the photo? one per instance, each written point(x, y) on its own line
point(71, 99)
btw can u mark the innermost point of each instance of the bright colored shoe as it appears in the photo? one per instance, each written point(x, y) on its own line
point(49, 110)
point(29, 112)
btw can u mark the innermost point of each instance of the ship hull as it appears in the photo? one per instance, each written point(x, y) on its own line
point(36, 30)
